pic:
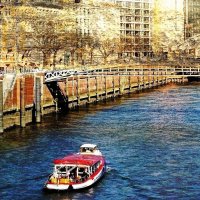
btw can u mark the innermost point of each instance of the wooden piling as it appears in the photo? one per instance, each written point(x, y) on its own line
point(129, 81)
point(97, 88)
point(113, 83)
point(105, 84)
point(78, 91)
point(121, 87)
point(149, 80)
point(73, 92)
point(42, 95)
point(66, 87)
point(1, 106)
point(139, 87)
point(88, 88)
point(22, 103)
point(38, 99)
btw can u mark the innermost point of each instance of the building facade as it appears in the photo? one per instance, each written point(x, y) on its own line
point(144, 27)
point(192, 18)
point(168, 26)
point(8, 35)
point(136, 27)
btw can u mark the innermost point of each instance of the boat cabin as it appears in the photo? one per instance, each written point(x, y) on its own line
point(74, 168)
point(90, 149)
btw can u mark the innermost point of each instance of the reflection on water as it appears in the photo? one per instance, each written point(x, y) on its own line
point(151, 142)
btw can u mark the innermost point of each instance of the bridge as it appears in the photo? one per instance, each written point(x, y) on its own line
point(59, 75)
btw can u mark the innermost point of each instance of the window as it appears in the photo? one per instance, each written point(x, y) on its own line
point(137, 12)
point(137, 5)
point(146, 12)
point(146, 5)
point(146, 26)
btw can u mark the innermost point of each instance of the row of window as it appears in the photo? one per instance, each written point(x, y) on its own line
point(136, 12)
point(138, 52)
point(133, 4)
point(134, 26)
point(134, 19)
point(137, 33)
point(136, 40)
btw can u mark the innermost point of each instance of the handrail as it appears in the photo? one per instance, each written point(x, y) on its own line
point(128, 71)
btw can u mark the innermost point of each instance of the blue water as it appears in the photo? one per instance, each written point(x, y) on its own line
point(151, 142)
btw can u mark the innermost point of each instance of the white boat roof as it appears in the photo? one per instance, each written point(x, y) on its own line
point(88, 146)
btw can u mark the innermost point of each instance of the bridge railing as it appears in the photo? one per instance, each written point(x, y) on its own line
point(137, 71)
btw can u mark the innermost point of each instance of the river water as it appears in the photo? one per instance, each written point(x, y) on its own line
point(151, 142)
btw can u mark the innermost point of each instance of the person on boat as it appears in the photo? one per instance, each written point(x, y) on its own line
point(85, 174)
point(72, 176)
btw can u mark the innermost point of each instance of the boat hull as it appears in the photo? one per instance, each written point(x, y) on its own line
point(77, 186)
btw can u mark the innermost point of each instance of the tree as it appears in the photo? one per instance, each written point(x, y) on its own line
point(107, 47)
point(92, 44)
point(45, 33)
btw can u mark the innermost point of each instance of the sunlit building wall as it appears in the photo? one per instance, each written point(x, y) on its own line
point(168, 25)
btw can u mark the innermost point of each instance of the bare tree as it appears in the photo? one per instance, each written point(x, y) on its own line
point(107, 48)
point(91, 45)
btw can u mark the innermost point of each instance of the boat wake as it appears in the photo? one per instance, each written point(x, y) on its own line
point(108, 169)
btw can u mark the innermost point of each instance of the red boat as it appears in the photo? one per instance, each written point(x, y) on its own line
point(77, 171)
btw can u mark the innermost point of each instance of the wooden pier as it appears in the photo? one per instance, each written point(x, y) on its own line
point(30, 97)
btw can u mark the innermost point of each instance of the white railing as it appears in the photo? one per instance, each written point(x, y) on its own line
point(166, 71)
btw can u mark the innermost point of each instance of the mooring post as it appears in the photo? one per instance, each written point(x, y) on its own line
point(149, 79)
point(22, 103)
point(113, 85)
point(153, 82)
point(129, 81)
point(97, 88)
point(78, 92)
point(102, 91)
point(66, 87)
point(143, 80)
point(88, 88)
point(105, 87)
point(1, 106)
point(139, 87)
point(38, 99)
point(73, 91)
point(165, 77)
point(157, 80)
point(183, 79)
point(42, 95)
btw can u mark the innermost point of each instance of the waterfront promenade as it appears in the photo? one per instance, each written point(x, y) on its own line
point(26, 97)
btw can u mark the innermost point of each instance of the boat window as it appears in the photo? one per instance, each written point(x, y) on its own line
point(61, 169)
point(86, 149)
point(95, 166)
point(83, 173)
point(66, 171)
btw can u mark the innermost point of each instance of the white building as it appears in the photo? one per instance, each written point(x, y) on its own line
point(168, 25)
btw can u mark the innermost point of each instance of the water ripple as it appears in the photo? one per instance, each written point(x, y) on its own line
point(151, 141)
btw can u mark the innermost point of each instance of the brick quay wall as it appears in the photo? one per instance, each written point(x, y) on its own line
point(29, 98)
